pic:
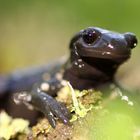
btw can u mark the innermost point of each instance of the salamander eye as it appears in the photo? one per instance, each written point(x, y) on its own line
point(89, 36)
point(131, 40)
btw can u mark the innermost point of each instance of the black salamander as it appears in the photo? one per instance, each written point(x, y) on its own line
point(95, 55)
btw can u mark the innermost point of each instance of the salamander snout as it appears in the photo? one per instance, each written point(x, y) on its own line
point(131, 40)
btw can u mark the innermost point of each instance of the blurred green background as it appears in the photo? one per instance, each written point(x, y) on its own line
point(36, 31)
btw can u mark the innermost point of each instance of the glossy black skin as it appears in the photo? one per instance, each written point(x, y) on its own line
point(95, 55)
point(99, 57)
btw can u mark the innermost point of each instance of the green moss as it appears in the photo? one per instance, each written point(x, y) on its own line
point(80, 104)
point(93, 118)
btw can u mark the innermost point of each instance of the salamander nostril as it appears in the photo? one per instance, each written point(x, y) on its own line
point(131, 40)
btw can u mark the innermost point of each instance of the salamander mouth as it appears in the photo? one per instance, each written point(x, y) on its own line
point(107, 66)
point(98, 61)
point(115, 56)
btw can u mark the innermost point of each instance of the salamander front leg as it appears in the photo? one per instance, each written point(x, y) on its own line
point(51, 108)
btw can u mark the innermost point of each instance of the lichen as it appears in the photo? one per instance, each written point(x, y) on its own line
point(82, 104)
point(42, 128)
point(79, 104)
point(12, 128)
point(92, 116)
point(43, 131)
point(107, 118)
